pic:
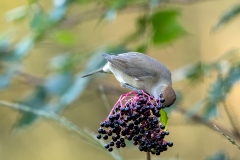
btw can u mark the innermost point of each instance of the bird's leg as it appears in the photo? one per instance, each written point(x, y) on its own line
point(126, 85)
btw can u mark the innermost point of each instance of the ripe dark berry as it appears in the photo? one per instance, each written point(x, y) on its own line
point(100, 130)
point(129, 137)
point(170, 144)
point(141, 148)
point(111, 143)
point(162, 126)
point(122, 109)
point(123, 133)
point(162, 100)
point(135, 116)
point(126, 109)
point(99, 136)
point(102, 124)
point(105, 137)
point(158, 153)
point(110, 149)
point(135, 143)
point(114, 138)
point(118, 143)
point(109, 132)
point(155, 121)
point(123, 145)
point(111, 118)
point(106, 146)
point(122, 139)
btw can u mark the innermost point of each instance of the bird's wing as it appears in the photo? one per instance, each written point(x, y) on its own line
point(131, 65)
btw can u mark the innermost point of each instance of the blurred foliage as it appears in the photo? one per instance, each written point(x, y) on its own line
point(63, 85)
point(228, 15)
point(218, 156)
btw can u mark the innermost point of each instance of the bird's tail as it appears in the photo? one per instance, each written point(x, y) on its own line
point(93, 72)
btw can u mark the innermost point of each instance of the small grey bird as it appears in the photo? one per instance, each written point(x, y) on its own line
point(138, 71)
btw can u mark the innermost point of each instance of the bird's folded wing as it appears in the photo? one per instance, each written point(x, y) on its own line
point(131, 65)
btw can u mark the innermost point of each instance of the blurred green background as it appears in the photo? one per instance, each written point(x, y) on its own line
point(45, 46)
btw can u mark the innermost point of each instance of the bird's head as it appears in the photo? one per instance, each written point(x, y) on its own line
point(168, 94)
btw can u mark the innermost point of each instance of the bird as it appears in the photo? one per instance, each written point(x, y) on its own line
point(138, 71)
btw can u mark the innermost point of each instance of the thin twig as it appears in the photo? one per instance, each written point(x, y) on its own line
point(209, 123)
point(229, 139)
point(86, 135)
point(104, 98)
point(230, 117)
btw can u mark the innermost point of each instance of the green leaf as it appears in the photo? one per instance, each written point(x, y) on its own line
point(217, 156)
point(40, 22)
point(210, 111)
point(196, 72)
point(20, 50)
point(58, 12)
point(228, 16)
point(166, 27)
point(164, 118)
point(217, 92)
point(116, 6)
point(6, 77)
point(58, 84)
point(16, 14)
point(232, 77)
point(142, 48)
point(154, 3)
point(23, 47)
point(65, 38)
point(37, 101)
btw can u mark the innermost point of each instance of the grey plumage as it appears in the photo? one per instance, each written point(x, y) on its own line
point(140, 71)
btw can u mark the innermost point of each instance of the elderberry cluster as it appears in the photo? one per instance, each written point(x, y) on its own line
point(135, 117)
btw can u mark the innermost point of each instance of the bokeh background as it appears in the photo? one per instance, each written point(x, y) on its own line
point(45, 46)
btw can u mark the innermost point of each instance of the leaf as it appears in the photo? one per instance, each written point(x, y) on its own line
point(39, 22)
point(58, 84)
point(58, 13)
point(65, 38)
point(210, 111)
point(217, 156)
point(20, 50)
point(196, 72)
point(23, 48)
point(116, 6)
point(4, 46)
point(166, 27)
point(6, 77)
point(232, 77)
point(142, 48)
point(36, 101)
point(217, 92)
point(227, 16)
point(16, 14)
point(154, 3)
point(164, 118)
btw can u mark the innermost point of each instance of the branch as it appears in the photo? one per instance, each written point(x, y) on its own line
point(229, 139)
point(86, 135)
point(148, 156)
point(209, 124)
point(230, 117)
